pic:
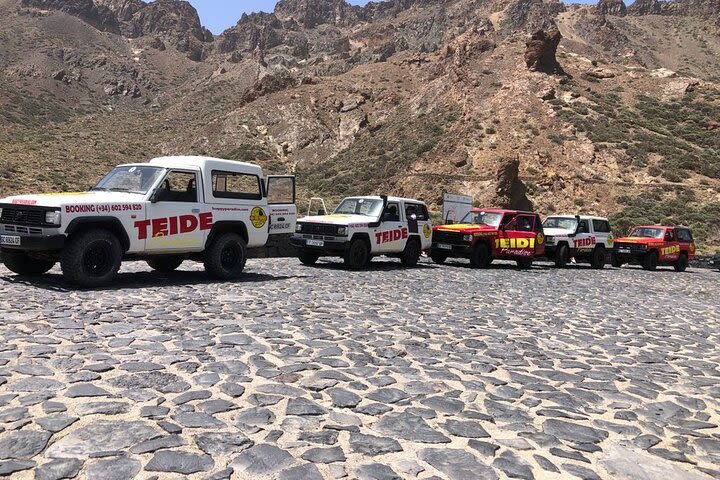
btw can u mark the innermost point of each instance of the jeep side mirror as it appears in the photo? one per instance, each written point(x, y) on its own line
point(154, 197)
point(449, 222)
point(321, 212)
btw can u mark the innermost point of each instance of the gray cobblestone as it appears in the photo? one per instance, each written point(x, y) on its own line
point(300, 372)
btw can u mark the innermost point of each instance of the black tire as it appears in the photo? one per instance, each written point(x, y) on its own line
point(308, 258)
point(480, 257)
point(165, 263)
point(92, 258)
point(226, 256)
point(615, 261)
point(598, 259)
point(524, 263)
point(358, 255)
point(22, 264)
point(681, 264)
point(562, 255)
point(438, 257)
point(411, 255)
point(650, 261)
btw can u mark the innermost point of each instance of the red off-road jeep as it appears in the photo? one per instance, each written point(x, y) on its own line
point(486, 234)
point(655, 245)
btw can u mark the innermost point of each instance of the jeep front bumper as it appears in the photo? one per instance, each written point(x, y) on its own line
point(36, 243)
point(330, 247)
point(451, 249)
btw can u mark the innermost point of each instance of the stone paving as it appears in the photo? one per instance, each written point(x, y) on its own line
point(301, 373)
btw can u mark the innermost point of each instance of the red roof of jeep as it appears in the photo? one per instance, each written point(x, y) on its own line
point(500, 210)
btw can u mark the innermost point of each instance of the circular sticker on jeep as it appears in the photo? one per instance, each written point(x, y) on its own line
point(427, 231)
point(540, 238)
point(258, 217)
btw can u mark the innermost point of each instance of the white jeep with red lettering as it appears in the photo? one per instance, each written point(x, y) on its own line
point(164, 211)
point(366, 227)
point(579, 237)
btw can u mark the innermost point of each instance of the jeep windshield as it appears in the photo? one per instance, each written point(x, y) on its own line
point(646, 232)
point(129, 178)
point(483, 218)
point(369, 207)
point(563, 223)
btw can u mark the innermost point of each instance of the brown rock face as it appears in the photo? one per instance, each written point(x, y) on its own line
point(99, 17)
point(611, 7)
point(311, 13)
point(541, 49)
point(647, 7)
point(511, 191)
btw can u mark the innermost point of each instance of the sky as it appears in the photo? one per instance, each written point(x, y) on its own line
point(217, 15)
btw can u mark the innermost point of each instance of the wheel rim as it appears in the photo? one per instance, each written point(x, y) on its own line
point(97, 259)
point(230, 256)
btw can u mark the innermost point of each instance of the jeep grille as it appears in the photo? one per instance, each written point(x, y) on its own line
point(319, 229)
point(22, 216)
point(447, 237)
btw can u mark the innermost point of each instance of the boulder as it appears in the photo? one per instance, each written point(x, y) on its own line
point(541, 49)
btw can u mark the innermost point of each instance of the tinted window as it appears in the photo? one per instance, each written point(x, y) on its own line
point(178, 187)
point(392, 213)
point(670, 236)
point(419, 210)
point(583, 227)
point(601, 226)
point(522, 223)
point(236, 185)
point(684, 235)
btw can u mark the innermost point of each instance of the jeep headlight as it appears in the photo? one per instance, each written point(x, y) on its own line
point(467, 238)
point(342, 231)
point(52, 217)
point(298, 227)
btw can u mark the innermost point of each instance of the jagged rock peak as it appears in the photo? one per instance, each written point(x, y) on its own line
point(311, 13)
point(646, 7)
point(611, 7)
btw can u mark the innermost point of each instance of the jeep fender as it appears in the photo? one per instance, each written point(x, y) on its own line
point(227, 226)
point(112, 224)
point(363, 236)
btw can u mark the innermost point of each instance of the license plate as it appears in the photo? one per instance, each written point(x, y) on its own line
point(444, 246)
point(9, 240)
point(624, 250)
point(315, 243)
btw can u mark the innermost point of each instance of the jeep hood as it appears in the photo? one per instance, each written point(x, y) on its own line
point(74, 198)
point(638, 240)
point(466, 228)
point(337, 219)
point(557, 232)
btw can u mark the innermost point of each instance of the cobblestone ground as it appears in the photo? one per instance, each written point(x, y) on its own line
point(302, 373)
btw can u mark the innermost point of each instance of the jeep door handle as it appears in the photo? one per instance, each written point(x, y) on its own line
point(195, 210)
point(281, 219)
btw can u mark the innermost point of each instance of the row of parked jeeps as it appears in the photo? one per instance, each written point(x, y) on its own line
point(363, 227)
point(173, 209)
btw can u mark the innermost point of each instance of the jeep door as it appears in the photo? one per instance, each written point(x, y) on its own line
point(419, 223)
point(687, 244)
point(282, 211)
point(392, 234)
point(520, 237)
point(176, 218)
point(670, 250)
point(603, 233)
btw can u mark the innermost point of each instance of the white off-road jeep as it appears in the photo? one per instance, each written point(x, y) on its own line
point(366, 227)
point(580, 237)
point(164, 211)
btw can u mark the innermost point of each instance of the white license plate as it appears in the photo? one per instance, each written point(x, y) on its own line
point(9, 240)
point(444, 246)
point(314, 243)
point(624, 250)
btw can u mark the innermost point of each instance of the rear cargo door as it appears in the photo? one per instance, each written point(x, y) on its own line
point(282, 211)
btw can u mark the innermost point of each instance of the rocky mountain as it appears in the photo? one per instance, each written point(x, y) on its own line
point(601, 108)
